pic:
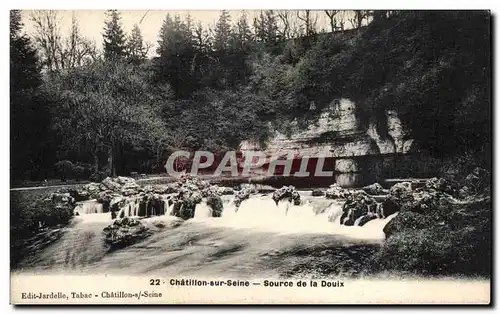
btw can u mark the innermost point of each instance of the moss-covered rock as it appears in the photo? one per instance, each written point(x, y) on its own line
point(358, 204)
point(286, 193)
point(124, 232)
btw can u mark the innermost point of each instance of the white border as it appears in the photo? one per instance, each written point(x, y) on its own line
point(190, 4)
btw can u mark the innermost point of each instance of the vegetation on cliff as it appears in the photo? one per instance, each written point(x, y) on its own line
point(211, 89)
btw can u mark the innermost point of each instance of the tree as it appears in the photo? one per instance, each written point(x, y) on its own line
point(47, 38)
point(103, 106)
point(222, 32)
point(28, 109)
point(137, 50)
point(359, 16)
point(242, 30)
point(58, 53)
point(176, 54)
point(266, 27)
point(331, 16)
point(77, 50)
point(114, 39)
point(285, 29)
point(309, 22)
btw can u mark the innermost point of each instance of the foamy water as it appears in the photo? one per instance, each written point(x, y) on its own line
point(260, 213)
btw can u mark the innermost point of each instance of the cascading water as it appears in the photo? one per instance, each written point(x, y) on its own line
point(317, 216)
point(260, 212)
point(89, 207)
point(240, 242)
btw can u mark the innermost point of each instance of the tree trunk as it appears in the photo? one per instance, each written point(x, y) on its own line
point(96, 162)
point(95, 155)
point(111, 161)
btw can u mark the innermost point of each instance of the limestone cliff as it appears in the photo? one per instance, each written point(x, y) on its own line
point(339, 134)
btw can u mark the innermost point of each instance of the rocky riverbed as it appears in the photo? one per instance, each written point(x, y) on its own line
point(431, 227)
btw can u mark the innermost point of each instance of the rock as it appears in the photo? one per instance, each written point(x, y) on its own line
point(92, 189)
point(287, 192)
point(80, 195)
point(105, 198)
point(125, 231)
point(335, 191)
point(388, 208)
point(407, 221)
point(441, 185)
point(361, 221)
point(318, 192)
point(165, 189)
point(225, 190)
point(55, 208)
point(111, 184)
point(185, 202)
point(151, 204)
point(124, 180)
point(243, 194)
point(401, 191)
point(426, 202)
point(215, 203)
point(478, 181)
point(116, 204)
point(130, 188)
point(357, 204)
point(147, 189)
point(375, 189)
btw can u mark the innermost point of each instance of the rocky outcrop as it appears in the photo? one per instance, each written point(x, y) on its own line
point(335, 191)
point(441, 185)
point(478, 181)
point(357, 205)
point(318, 192)
point(243, 194)
point(224, 190)
point(338, 132)
point(361, 221)
point(375, 189)
point(192, 191)
point(60, 206)
point(287, 193)
point(124, 232)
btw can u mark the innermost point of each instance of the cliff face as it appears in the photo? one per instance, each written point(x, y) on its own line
point(339, 135)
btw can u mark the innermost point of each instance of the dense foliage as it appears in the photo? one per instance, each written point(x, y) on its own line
point(126, 108)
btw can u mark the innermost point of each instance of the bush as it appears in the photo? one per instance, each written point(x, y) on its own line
point(98, 176)
point(437, 251)
point(449, 237)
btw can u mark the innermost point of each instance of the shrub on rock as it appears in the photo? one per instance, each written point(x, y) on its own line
point(243, 194)
point(286, 193)
point(358, 204)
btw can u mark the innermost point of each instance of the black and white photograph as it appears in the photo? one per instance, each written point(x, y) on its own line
point(251, 156)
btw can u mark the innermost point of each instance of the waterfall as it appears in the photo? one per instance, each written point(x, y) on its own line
point(88, 207)
point(260, 212)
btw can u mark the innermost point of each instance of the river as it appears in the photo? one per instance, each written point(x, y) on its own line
point(260, 239)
